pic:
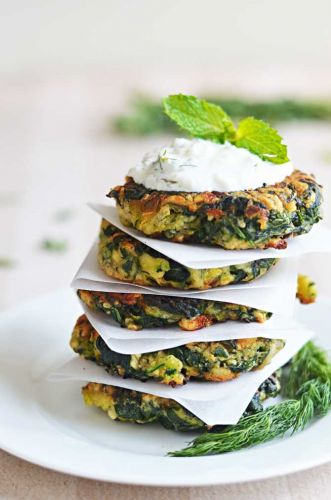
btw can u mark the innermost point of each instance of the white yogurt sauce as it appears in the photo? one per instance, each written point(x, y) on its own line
point(200, 165)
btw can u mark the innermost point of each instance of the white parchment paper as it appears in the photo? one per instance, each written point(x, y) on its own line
point(273, 292)
point(154, 339)
point(213, 402)
point(203, 257)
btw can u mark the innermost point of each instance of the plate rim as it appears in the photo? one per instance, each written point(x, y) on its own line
point(166, 484)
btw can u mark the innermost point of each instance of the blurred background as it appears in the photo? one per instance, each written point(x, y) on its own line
point(80, 88)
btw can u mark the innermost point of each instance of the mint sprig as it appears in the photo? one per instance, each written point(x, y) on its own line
point(208, 121)
point(200, 118)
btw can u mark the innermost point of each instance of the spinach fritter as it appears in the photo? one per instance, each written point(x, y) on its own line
point(127, 405)
point(137, 311)
point(127, 259)
point(259, 218)
point(213, 361)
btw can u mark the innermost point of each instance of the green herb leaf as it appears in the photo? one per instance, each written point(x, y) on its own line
point(261, 139)
point(209, 121)
point(52, 245)
point(6, 262)
point(311, 362)
point(199, 118)
point(308, 383)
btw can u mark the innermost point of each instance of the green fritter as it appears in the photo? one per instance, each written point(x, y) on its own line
point(123, 257)
point(137, 311)
point(126, 405)
point(259, 218)
point(213, 361)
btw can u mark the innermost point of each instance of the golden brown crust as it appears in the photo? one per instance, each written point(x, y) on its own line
point(139, 311)
point(216, 361)
point(259, 218)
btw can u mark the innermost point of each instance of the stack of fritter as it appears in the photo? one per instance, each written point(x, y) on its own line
point(253, 219)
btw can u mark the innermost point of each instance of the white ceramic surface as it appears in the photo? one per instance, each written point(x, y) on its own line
point(49, 425)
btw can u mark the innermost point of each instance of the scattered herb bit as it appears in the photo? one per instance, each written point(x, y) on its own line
point(146, 116)
point(53, 245)
point(306, 289)
point(116, 314)
point(209, 121)
point(6, 262)
point(308, 384)
point(154, 368)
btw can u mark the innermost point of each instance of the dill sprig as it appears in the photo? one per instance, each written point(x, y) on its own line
point(308, 385)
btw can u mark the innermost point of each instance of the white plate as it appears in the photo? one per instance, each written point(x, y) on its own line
point(48, 424)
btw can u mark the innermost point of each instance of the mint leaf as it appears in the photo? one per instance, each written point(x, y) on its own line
point(209, 121)
point(199, 118)
point(261, 139)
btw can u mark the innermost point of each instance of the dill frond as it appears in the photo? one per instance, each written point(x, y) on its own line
point(309, 387)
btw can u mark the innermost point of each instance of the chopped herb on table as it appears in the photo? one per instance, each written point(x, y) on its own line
point(6, 262)
point(52, 245)
point(308, 387)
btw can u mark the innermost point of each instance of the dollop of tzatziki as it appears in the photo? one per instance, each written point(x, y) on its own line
point(199, 165)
